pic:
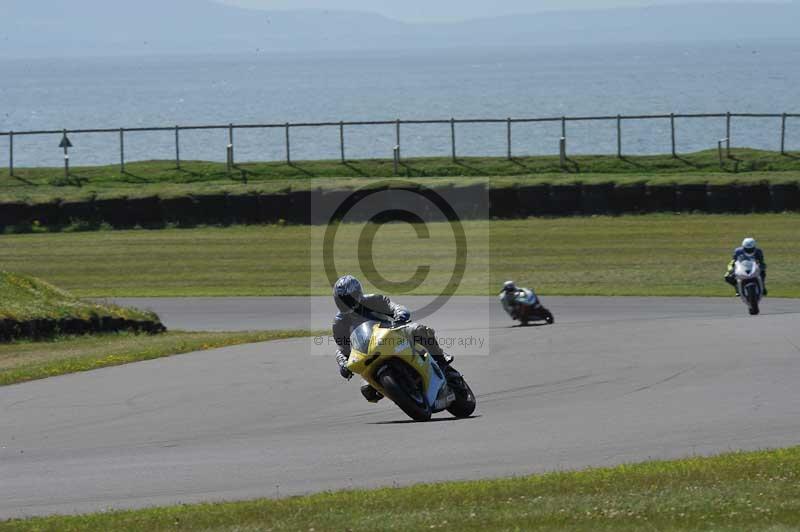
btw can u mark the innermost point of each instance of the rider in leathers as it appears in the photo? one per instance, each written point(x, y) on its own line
point(748, 251)
point(355, 308)
point(509, 295)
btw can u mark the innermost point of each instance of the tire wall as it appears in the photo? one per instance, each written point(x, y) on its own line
point(38, 329)
point(471, 201)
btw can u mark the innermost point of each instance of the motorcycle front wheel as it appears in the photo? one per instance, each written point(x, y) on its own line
point(752, 299)
point(464, 405)
point(412, 402)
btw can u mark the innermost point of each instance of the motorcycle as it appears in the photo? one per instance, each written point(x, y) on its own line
point(749, 283)
point(526, 307)
point(387, 357)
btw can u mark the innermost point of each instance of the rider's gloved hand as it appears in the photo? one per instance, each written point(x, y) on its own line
point(404, 316)
point(343, 371)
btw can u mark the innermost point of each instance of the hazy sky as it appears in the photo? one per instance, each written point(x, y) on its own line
point(446, 10)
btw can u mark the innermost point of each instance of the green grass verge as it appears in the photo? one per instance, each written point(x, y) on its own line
point(649, 255)
point(24, 298)
point(27, 361)
point(757, 491)
point(38, 185)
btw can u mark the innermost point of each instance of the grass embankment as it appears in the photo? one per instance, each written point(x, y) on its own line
point(27, 361)
point(39, 185)
point(757, 491)
point(649, 255)
point(24, 299)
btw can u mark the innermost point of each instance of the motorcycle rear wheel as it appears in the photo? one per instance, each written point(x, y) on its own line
point(393, 386)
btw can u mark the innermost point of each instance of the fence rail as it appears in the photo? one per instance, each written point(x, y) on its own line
point(397, 124)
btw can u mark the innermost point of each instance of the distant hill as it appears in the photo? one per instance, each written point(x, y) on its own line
point(103, 27)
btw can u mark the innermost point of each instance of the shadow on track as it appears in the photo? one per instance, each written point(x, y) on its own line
point(432, 420)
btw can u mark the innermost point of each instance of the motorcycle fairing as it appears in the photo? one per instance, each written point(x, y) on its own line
point(373, 345)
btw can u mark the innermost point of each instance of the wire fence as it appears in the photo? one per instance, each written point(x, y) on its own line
point(400, 130)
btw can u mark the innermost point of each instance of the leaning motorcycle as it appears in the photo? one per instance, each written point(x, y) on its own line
point(749, 283)
point(526, 307)
point(387, 357)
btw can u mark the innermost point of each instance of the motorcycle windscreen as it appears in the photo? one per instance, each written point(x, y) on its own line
point(526, 297)
point(361, 336)
point(746, 269)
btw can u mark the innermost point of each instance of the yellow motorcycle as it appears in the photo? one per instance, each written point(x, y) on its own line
point(387, 357)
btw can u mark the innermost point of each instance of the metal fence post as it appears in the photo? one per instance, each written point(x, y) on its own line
point(564, 126)
point(66, 156)
point(562, 150)
point(122, 150)
point(230, 143)
point(783, 134)
point(397, 138)
point(728, 134)
point(672, 128)
point(453, 137)
point(341, 139)
point(177, 147)
point(508, 138)
point(288, 146)
point(396, 153)
point(619, 136)
point(11, 154)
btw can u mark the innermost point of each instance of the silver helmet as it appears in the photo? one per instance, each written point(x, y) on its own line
point(749, 246)
point(347, 293)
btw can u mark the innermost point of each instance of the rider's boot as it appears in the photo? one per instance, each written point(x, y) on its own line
point(370, 394)
point(731, 280)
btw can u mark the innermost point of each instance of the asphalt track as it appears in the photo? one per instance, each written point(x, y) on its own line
point(614, 380)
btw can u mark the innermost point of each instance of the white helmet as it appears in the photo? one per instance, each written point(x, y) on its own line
point(749, 245)
point(347, 293)
point(509, 286)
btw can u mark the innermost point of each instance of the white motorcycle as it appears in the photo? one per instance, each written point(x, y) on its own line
point(525, 306)
point(749, 283)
